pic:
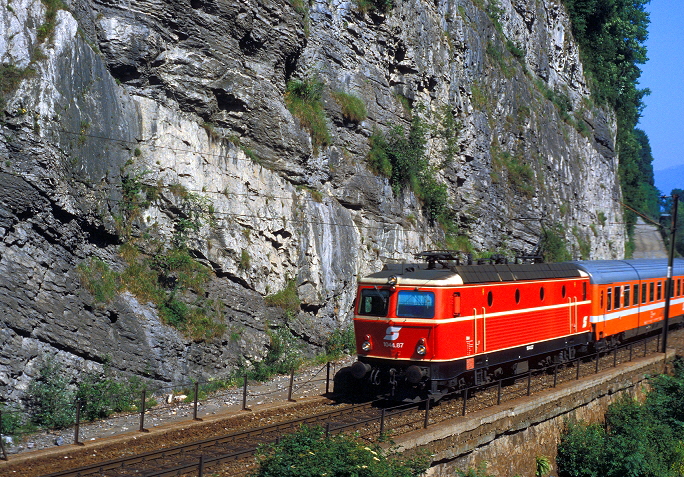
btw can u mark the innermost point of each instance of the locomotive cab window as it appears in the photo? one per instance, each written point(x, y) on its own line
point(415, 304)
point(374, 302)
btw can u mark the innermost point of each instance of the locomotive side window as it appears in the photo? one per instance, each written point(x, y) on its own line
point(541, 293)
point(625, 294)
point(374, 302)
point(651, 291)
point(490, 298)
point(660, 290)
point(643, 293)
point(517, 295)
point(563, 291)
point(457, 304)
point(415, 304)
point(609, 301)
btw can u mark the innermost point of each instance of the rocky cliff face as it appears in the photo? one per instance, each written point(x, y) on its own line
point(188, 98)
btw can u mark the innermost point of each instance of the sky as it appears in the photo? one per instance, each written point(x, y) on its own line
point(663, 74)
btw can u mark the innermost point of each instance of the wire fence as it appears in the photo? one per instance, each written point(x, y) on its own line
point(175, 402)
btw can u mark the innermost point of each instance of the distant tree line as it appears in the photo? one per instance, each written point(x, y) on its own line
point(611, 36)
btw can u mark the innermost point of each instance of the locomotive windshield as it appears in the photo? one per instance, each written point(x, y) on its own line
point(416, 304)
point(374, 302)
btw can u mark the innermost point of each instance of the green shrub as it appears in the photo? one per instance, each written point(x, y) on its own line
point(520, 174)
point(47, 28)
point(400, 156)
point(102, 282)
point(601, 216)
point(101, 395)
point(13, 421)
point(50, 400)
point(309, 453)
point(245, 260)
point(352, 106)
point(283, 356)
point(552, 244)
point(340, 342)
point(287, 298)
point(382, 6)
point(303, 99)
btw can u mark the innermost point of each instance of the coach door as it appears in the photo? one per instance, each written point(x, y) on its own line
point(480, 330)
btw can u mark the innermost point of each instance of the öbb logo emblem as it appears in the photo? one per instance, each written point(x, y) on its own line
point(392, 333)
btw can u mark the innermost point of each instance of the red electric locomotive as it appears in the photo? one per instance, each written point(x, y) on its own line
point(424, 329)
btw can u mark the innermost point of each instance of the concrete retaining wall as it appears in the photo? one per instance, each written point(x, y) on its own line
point(511, 435)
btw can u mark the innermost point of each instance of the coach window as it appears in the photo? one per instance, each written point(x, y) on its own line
point(541, 293)
point(660, 290)
point(651, 291)
point(517, 295)
point(617, 297)
point(625, 295)
point(563, 291)
point(601, 301)
point(416, 304)
point(635, 301)
point(374, 302)
point(609, 301)
point(643, 293)
point(679, 287)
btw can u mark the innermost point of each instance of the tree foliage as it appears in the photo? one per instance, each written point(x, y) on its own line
point(612, 35)
point(637, 440)
point(308, 453)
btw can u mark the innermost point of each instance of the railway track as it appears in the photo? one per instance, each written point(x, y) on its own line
point(232, 454)
point(198, 456)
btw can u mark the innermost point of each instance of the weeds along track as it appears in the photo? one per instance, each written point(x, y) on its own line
point(226, 447)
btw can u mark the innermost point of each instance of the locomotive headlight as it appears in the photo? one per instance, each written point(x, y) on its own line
point(392, 280)
point(367, 344)
point(421, 349)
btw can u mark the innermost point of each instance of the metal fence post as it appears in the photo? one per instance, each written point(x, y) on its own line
point(498, 393)
point(630, 351)
point(645, 347)
point(555, 375)
point(327, 378)
point(382, 422)
point(529, 382)
point(142, 411)
point(289, 392)
point(327, 429)
point(578, 366)
point(615, 357)
point(77, 426)
point(598, 357)
point(465, 400)
point(244, 394)
point(2, 439)
point(201, 466)
point(194, 410)
point(427, 413)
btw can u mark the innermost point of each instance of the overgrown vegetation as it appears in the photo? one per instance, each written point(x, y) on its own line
point(308, 452)
point(284, 355)
point(612, 35)
point(10, 77)
point(519, 173)
point(381, 6)
point(666, 204)
point(51, 398)
point(400, 156)
point(47, 28)
point(303, 99)
point(553, 246)
point(287, 298)
point(164, 274)
point(637, 439)
point(352, 106)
